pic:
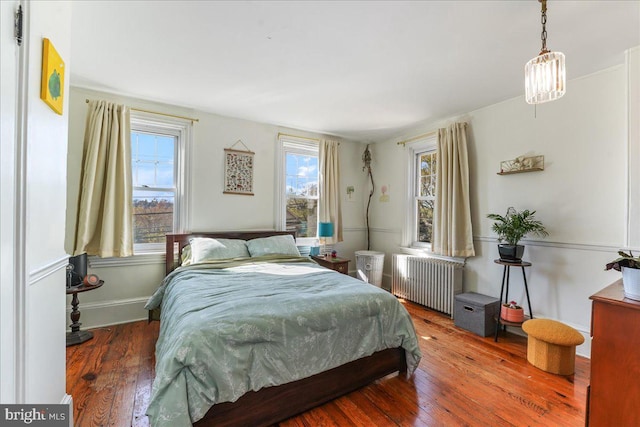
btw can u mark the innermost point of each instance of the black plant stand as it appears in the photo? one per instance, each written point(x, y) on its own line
point(505, 280)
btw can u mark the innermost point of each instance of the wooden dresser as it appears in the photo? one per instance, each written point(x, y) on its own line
point(614, 393)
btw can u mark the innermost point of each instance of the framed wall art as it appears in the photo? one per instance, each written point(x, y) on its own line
point(238, 171)
point(52, 85)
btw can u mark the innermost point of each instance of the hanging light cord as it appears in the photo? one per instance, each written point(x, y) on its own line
point(543, 19)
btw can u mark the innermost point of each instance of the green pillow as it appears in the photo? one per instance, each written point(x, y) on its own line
point(274, 245)
point(205, 249)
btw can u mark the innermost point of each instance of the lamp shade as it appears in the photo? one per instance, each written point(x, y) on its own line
point(545, 78)
point(325, 229)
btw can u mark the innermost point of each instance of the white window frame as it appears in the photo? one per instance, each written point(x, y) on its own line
point(295, 145)
point(427, 144)
point(182, 130)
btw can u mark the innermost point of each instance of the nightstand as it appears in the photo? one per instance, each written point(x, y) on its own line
point(76, 336)
point(341, 265)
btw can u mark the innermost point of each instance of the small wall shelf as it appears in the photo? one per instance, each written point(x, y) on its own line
point(522, 164)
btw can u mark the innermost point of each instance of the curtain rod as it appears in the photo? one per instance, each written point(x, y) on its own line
point(160, 114)
point(415, 138)
point(297, 136)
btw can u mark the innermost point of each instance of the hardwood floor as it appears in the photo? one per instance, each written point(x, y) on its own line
point(462, 380)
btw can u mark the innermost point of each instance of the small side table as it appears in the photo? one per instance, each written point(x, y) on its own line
point(505, 280)
point(340, 265)
point(76, 336)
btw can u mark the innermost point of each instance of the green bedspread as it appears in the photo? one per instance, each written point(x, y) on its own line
point(227, 328)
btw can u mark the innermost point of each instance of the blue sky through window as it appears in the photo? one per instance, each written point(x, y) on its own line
point(153, 157)
point(301, 175)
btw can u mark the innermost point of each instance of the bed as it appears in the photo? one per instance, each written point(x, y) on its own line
point(255, 340)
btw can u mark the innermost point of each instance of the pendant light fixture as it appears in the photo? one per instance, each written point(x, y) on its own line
point(545, 75)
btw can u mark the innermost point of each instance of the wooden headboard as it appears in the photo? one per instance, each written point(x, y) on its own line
point(177, 241)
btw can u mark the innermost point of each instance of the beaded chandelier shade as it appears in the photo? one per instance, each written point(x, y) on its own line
point(545, 75)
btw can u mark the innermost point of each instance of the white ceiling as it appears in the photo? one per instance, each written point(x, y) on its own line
point(363, 70)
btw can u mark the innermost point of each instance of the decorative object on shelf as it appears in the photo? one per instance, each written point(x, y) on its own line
point(512, 227)
point(512, 312)
point(325, 229)
point(522, 164)
point(545, 75)
point(52, 84)
point(366, 159)
point(630, 268)
point(238, 170)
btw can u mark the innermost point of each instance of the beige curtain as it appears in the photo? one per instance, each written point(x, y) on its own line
point(104, 224)
point(452, 234)
point(330, 210)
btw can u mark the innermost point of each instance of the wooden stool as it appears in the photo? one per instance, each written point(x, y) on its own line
point(551, 345)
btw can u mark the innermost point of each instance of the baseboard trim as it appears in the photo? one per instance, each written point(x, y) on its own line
point(112, 312)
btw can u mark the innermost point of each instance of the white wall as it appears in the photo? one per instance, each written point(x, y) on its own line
point(38, 148)
point(580, 196)
point(127, 287)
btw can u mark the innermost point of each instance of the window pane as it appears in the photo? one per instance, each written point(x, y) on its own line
point(424, 186)
point(302, 216)
point(152, 159)
point(425, 220)
point(152, 215)
point(164, 175)
point(301, 177)
point(425, 166)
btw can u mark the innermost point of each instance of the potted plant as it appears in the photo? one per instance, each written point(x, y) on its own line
point(512, 312)
point(630, 268)
point(512, 227)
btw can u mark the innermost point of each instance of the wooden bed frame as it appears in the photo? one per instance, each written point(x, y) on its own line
point(273, 404)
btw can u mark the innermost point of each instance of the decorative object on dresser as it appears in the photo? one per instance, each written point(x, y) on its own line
point(513, 227)
point(431, 282)
point(630, 268)
point(614, 392)
point(340, 265)
point(551, 345)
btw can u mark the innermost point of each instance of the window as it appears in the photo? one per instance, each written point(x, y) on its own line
point(158, 161)
point(425, 191)
point(298, 198)
point(421, 191)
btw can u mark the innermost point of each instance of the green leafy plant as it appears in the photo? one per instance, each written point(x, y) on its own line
point(514, 225)
point(626, 260)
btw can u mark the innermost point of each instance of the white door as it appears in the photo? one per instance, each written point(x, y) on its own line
point(9, 60)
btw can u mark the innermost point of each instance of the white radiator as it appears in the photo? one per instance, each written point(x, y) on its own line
point(428, 281)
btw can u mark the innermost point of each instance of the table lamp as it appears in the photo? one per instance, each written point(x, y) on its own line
point(325, 229)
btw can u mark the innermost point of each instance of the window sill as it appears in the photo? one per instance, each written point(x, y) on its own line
point(137, 259)
point(426, 252)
